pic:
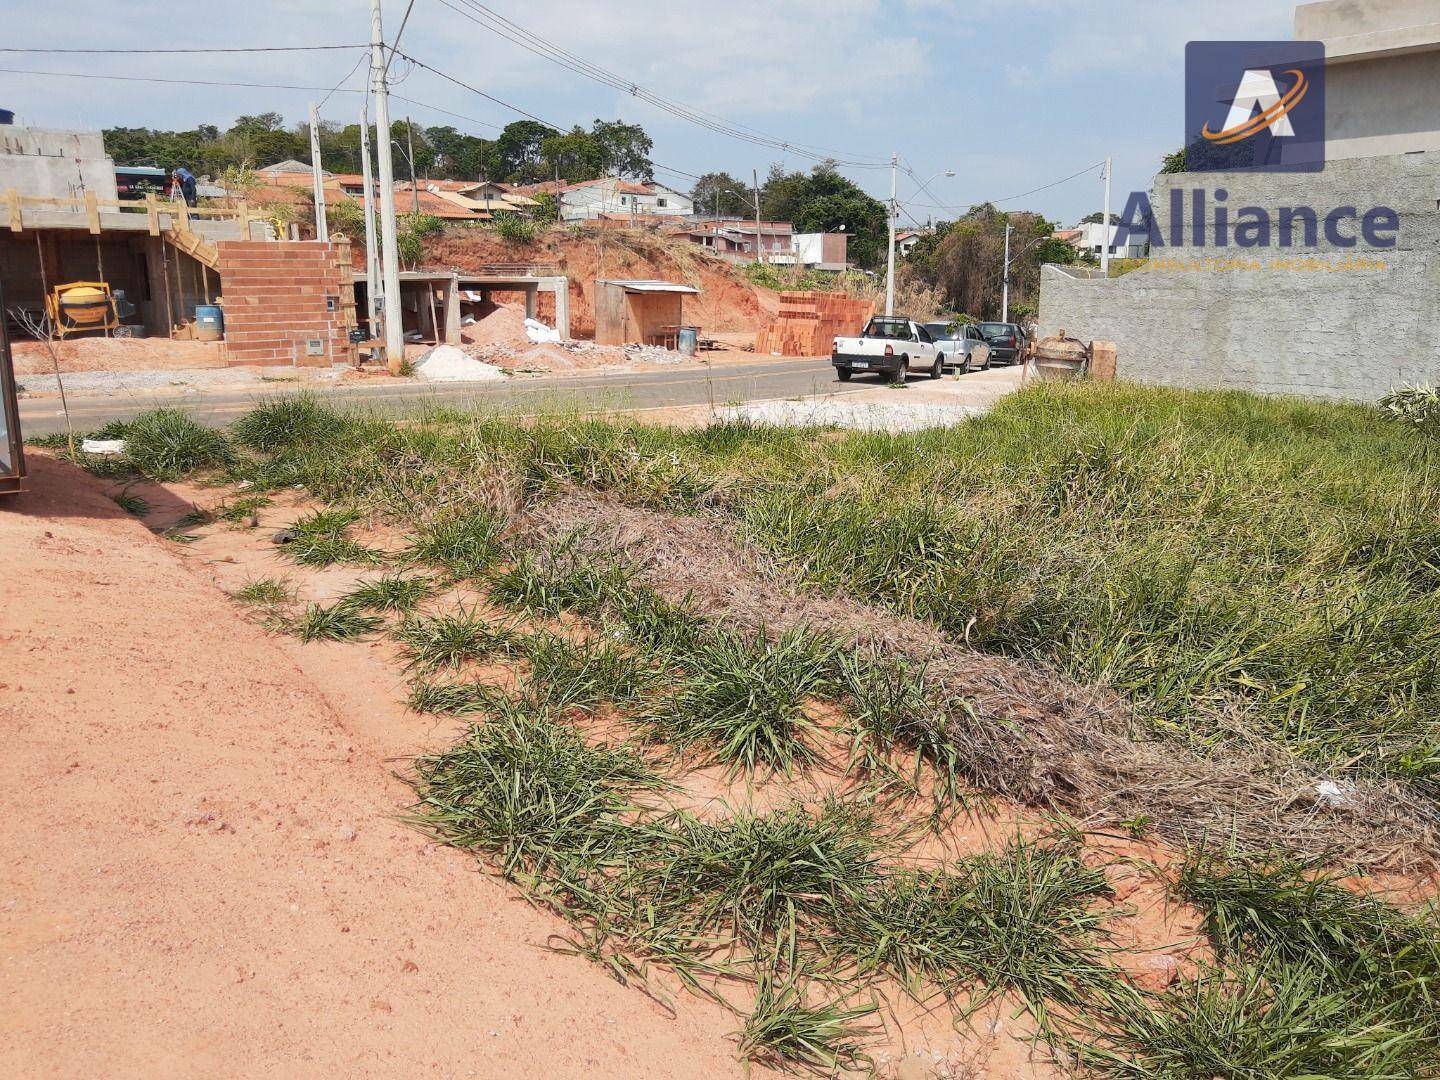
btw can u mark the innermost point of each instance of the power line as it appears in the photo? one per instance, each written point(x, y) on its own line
point(179, 82)
point(247, 49)
point(364, 55)
point(548, 50)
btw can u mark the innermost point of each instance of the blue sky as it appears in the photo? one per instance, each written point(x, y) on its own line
point(1009, 95)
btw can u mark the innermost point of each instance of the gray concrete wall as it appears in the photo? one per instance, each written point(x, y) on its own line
point(55, 164)
point(1382, 74)
point(1340, 334)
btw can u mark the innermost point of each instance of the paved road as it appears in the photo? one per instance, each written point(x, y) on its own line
point(635, 390)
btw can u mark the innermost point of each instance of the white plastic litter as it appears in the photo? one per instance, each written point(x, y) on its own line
point(1332, 794)
point(539, 333)
point(103, 447)
point(446, 363)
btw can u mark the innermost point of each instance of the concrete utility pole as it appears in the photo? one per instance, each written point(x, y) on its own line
point(410, 150)
point(1005, 287)
point(1105, 225)
point(755, 176)
point(322, 227)
point(890, 255)
point(372, 249)
point(389, 255)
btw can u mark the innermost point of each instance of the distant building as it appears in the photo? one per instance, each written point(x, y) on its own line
point(736, 237)
point(612, 197)
point(905, 241)
point(1091, 237)
point(821, 251)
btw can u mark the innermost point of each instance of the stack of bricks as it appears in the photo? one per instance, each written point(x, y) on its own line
point(280, 297)
point(808, 323)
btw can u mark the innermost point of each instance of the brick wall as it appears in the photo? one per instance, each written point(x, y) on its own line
point(278, 296)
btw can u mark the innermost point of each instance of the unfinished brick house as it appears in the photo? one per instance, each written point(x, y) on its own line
point(284, 302)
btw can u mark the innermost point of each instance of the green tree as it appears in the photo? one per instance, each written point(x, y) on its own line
point(518, 149)
point(463, 157)
point(722, 194)
point(825, 201)
point(627, 148)
point(574, 157)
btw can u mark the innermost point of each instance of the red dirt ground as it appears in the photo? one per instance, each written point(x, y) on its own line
point(202, 870)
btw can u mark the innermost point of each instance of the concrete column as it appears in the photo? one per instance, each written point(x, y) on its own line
point(452, 312)
point(532, 293)
point(561, 288)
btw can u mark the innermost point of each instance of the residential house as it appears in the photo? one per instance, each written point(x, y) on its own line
point(735, 238)
point(1091, 236)
point(820, 251)
point(906, 240)
point(613, 198)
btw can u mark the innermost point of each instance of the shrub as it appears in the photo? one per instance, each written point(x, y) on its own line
point(1418, 406)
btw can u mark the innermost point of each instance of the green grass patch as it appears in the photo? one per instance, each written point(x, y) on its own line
point(401, 593)
point(320, 540)
point(338, 622)
point(265, 592)
point(165, 444)
point(785, 1031)
point(449, 640)
point(741, 698)
point(464, 543)
point(287, 422)
point(558, 578)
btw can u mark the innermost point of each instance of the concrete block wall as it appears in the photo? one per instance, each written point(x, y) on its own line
point(279, 296)
point(1348, 334)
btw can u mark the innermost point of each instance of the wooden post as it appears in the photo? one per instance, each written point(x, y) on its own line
point(17, 223)
point(242, 209)
point(169, 309)
point(92, 212)
point(152, 211)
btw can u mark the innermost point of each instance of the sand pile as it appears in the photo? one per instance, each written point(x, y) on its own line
point(496, 324)
point(446, 363)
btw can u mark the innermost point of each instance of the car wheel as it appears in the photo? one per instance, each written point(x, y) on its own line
point(843, 373)
point(903, 371)
point(963, 368)
point(986, 365)
point(938, 369)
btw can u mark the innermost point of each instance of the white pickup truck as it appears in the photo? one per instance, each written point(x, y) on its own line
point(890, 345)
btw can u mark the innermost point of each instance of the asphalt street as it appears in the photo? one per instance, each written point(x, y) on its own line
point(720, 385)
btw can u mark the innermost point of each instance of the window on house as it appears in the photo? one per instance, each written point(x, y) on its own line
point(624, 199)
point(661, 202)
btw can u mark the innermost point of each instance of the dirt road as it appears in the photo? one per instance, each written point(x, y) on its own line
point(202, 870)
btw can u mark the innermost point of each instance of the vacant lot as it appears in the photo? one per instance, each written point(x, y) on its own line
point(1071, 726)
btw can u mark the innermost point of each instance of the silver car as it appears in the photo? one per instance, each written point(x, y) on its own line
point(964, 348)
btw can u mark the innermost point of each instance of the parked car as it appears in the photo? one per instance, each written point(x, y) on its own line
point(1007, 340)
point(890, 345)
point(963, 347)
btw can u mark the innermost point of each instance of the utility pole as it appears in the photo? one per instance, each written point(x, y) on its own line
point(372, 249)
point(890, 253)
point(322, 227)
point(1005, 288)
point(410, 149)
point(755, 176)
point(1105, 225)
point(389, 255)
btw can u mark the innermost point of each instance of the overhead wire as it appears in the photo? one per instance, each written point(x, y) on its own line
point(497, 24)
point(208, 49)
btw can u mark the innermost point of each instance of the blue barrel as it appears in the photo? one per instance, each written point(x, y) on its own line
point(7, 116)
point(209, 322)
point(688, 339)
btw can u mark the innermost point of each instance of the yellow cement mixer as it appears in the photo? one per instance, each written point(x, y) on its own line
point(81, 306)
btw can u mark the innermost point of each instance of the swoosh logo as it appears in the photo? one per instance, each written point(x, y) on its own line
point(1264, 119)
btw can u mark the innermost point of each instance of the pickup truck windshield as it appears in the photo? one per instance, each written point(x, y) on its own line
point(894, 329)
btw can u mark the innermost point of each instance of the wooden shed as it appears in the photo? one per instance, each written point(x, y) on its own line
point(648, 312)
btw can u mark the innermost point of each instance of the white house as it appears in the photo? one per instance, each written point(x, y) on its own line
point(612, 197)
point(1092, 235)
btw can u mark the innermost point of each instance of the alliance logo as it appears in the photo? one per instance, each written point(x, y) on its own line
point(1256, 105)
